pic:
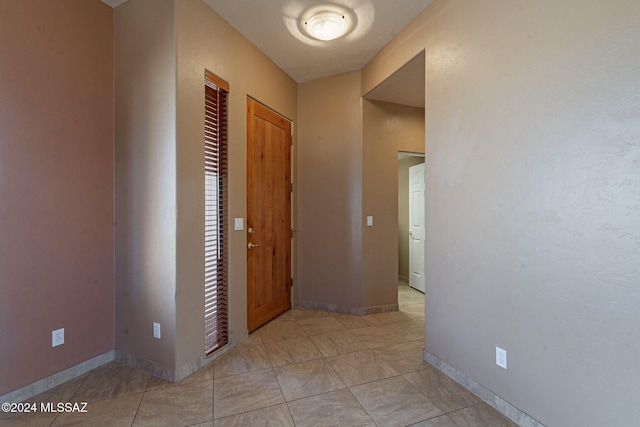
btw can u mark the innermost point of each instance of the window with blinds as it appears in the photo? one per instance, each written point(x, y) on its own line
point(215, 214)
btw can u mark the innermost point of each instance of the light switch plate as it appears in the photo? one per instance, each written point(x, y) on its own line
point(370, 221)
point(156, 330)
point(238, 224)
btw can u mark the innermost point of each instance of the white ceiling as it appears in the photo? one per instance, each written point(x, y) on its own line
point(272, 25)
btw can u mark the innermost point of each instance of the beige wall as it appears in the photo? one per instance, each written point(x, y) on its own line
point(403, 214)
point(388, 128)
point(532, 212)
point(348, 169)
point(206, 41)
point(145, 151)
point(330, 191)
point(56, 186)
point(161, 59)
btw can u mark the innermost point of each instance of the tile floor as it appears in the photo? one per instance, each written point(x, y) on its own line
point(306, 368)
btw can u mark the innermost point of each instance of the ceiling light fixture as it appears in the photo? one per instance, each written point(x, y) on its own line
point(327, 25)
point(327, 22)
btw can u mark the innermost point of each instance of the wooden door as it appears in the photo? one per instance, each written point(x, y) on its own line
point(268, 214)
point(416, 227)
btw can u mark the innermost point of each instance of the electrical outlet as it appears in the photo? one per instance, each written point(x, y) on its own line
point(369, 221)
point(57, 337)
point(501, 357)
point(156, 330)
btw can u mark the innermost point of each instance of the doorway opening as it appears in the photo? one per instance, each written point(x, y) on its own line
point(406, 86)
point(411, 206)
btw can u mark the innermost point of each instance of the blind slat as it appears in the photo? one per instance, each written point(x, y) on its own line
point(215, 166)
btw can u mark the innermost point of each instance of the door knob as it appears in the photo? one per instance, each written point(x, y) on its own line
point(251, 245)
point(410, 233)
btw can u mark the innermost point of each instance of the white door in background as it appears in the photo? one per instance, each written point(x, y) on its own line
point(416, 227)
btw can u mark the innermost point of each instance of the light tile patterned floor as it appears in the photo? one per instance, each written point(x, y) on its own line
point(306, 368)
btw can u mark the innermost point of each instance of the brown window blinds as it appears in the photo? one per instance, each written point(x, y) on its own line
point(215, 214)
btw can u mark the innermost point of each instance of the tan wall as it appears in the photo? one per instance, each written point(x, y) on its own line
point(330, 191)
point(206, 41)
point(145, 179)
point(161, 176)
point(388, 128)
point(403, 214)
point(532, 217)
point(348, 169)
point(56, 186)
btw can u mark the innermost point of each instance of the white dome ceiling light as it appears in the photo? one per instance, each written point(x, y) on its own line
point(327, 23)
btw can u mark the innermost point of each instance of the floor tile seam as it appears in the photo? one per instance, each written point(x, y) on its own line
point(444, 411)
point(194, 382)
point(322, 356)
point(333, 391)
point(116, 396)
point(363, 408)
point(290, 413)
point(269, 356)
point(284, 400)
point(244, 412)
point(375, 347)
point(394, 322)
point(81, 384)
point(285, 339)
point(459, 409)
point(243, 373)
point(287, 365)
point(346, 352)
point(409, 372)
point(428, 418)
point(24, 415)
point(54, 420)
point(138, 409)
point(248, 411)
point(334, 332)
point(315, 394)
point(376, 380)
point(346, 330)
point(213, 400)
point(297, 363)
point(317, 335)
point(388, 346)
point(146, 386)
point(174, 385)
point(436, 416)
point(427, 399)
point(332, 369)
point(337, 373)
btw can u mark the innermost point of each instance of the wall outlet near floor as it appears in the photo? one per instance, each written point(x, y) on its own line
point(501, 357)
point(156, 330)
point(57, 337)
